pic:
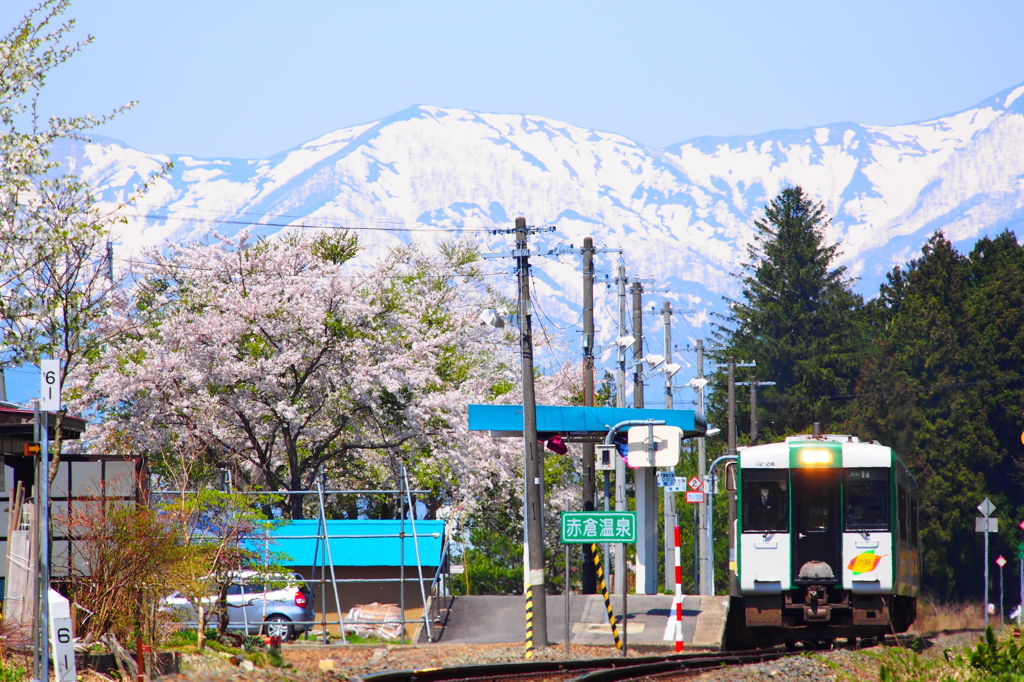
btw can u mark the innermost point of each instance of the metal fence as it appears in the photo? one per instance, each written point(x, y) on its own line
point(432, 597)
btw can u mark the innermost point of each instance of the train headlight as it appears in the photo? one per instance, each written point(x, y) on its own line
point(815, 456)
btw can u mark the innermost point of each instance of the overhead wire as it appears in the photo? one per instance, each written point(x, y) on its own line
point(486, 228)
point(135, 261)
point(375, 228)
point(536, 304)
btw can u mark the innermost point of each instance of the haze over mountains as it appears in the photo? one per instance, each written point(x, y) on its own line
point(683, 214)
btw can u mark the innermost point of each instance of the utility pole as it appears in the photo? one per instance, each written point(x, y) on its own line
point(589, 575)
point(753, 410)
point(669, 518)
point(646, 487)
point(533, 517)
point(637, 291)
point(753, 383)
point(730, 496)
point(706, 588)
point(620, 401)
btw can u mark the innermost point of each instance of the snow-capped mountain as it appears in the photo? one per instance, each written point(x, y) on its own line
point(683, 215)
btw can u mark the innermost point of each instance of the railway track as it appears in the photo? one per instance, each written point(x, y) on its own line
point(593, 670)
point(662, 668)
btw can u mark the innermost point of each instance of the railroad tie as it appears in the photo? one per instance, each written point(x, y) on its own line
point(604, 591)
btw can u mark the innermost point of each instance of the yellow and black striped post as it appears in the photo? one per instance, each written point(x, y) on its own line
point(604, 591)
point(528, 591)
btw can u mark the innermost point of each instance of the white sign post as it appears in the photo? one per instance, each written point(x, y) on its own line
point(49, 385)
point(986, 508)
point(62, 638)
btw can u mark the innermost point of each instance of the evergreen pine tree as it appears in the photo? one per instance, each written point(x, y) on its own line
point(922, 392)
point(798, 318)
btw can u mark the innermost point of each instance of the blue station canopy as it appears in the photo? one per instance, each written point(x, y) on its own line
point(361, 542)
point(577, 423)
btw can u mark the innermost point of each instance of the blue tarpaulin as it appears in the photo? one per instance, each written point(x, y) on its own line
point(507, 420)
point(362, 542)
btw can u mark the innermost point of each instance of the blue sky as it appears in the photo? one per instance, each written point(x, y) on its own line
point(250, 79)
point(255, 78)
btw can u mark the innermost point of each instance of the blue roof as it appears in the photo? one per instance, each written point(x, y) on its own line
point(361, 542)
point(568, 421)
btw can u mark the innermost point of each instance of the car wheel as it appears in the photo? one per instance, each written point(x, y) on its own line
point(278, 626)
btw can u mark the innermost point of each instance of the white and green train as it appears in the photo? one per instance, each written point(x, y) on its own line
point(826, 544)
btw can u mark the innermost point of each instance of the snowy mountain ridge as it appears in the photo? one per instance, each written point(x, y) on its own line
point(683, 214)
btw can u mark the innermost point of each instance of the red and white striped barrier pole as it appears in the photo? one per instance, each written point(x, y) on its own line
point(679, 597)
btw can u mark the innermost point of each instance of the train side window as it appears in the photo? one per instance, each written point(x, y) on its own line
point(901, 509)
point(867, 499)
point(765, 498)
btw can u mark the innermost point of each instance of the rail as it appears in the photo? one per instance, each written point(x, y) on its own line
point(589, 670)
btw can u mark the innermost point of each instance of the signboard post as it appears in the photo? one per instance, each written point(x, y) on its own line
point(62, 638)
point(594, 527)
point(1020, 558)
point(49, 401)
point(985, 526)
point(49, 385)
point(1000, 562)
point(588, 527)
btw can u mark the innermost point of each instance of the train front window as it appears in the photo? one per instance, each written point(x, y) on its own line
point(765, 501)
point(867, 499)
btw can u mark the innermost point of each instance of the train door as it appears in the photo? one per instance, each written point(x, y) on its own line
point(817, 535)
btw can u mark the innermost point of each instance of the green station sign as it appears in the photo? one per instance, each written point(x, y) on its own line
point(599, 527)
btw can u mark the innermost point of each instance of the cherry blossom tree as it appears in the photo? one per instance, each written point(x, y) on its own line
point(56, 279)
point(283, 362)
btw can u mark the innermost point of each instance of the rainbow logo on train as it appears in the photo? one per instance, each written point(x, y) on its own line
point(865, 562)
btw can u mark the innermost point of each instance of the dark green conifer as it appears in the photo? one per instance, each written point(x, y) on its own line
point(798, 318)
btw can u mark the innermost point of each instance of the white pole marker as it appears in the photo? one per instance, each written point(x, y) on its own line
point(49, 385)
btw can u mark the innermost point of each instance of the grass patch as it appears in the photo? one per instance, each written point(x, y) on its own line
point(994, 659)
point(936, 616)
point(356, 639)
point(188, 638)
point(252, 649)
point(10, 672)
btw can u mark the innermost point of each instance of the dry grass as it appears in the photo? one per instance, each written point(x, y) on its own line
point(934, 616)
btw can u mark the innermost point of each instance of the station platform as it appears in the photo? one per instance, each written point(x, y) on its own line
point(502, 620)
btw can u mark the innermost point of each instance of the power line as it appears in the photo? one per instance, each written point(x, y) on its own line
point(536, 305)
point(377, 228)
point(305, 216)
point(134, 261)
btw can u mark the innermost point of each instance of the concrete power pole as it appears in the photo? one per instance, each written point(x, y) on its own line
point(753, 384)
point(706, 588)
point(589, 575)
point(646, 487)
point(670, 519)
point(753, 410)
point(731, 497)
point(533, 470)
point(620, 466)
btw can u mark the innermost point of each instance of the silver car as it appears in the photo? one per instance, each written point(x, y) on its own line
point(277, 605)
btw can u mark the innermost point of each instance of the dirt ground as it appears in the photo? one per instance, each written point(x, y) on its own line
point(311, 662)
